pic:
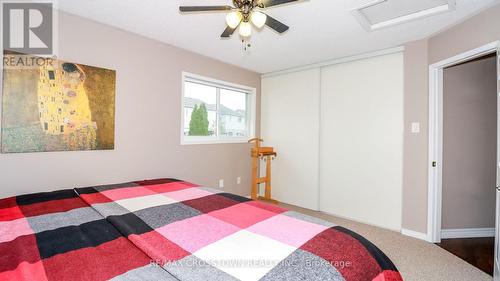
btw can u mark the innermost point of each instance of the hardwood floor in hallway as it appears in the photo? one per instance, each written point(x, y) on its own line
point(477, 251)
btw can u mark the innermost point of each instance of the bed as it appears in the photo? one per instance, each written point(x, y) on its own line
point(167, 229)
point(57, 236)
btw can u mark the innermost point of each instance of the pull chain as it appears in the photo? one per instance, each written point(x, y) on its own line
point(246, 45)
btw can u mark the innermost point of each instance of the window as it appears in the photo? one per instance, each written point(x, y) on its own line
point(216, 111)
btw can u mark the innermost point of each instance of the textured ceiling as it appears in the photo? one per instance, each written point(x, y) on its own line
point(319, 29)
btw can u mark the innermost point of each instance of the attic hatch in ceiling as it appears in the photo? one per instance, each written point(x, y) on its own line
point(384, 13)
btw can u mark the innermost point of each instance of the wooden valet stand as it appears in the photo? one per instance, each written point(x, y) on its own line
point(267, 153)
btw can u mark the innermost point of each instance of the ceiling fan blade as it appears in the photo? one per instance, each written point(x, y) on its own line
point(228, 32)
point(204, 8)
point(276, 24)
point(270, 3)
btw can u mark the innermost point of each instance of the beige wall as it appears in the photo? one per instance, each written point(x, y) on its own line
point(469, 145)
point(477, 31)
point(414, 212)
point(148, 98)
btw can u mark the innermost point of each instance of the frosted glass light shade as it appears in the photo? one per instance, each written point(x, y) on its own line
point(258, 19)
point(245, 29)
point(233, 19)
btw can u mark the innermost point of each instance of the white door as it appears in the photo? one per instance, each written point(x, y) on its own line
point(290, 123)
point(497, 233)
point(361, 140)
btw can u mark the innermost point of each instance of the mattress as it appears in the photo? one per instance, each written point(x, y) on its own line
point(57, 236)
point(167, 229)
point(199, 233)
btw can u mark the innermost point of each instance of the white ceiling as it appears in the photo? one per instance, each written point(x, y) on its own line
point(319, 29)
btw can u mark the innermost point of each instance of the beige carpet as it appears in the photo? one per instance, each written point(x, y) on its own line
point(415, 259)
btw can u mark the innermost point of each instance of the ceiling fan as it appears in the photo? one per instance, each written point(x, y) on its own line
point(243, 13)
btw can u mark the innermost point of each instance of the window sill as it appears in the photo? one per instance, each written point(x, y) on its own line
point(202, 142)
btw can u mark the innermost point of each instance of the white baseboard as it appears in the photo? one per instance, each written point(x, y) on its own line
point(398, 230)
point(414, 234)
point(467, 233)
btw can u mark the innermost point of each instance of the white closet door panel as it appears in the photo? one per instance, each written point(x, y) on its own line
point(362, 140)
point(290, 123)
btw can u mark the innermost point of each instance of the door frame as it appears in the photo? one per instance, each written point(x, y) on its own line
point(435, 168)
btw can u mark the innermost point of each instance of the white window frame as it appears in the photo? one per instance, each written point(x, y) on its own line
point(251, 115)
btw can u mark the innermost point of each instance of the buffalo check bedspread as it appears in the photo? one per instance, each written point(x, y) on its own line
point(56, 236)
point(198, 233)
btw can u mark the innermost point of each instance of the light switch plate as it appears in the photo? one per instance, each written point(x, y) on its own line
point(415, 127)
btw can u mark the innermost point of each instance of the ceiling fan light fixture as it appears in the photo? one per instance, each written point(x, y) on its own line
point(233, 19)
point(245, 29)
point(245, 14)
point(258, 19)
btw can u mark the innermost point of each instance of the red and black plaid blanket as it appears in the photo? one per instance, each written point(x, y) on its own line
point(57, 236)
point(198, 233)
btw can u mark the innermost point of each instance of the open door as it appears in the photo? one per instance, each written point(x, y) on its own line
point(497, 231)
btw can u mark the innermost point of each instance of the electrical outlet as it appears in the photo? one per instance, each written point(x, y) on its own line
point(221, 183)
point(238, 180)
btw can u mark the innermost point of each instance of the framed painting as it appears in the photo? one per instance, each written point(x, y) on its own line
point(57, 106)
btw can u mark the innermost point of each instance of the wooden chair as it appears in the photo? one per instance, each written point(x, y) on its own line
point(267, 153)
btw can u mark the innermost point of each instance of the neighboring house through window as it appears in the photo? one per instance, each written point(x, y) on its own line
point(215, 111)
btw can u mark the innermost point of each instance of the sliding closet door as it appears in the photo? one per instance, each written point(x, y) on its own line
point(290, 123)
point(361, 140)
